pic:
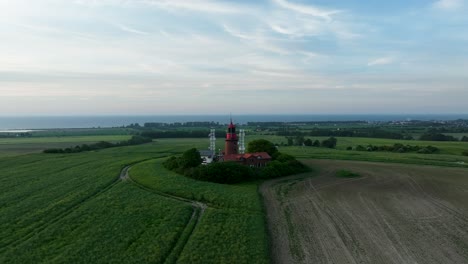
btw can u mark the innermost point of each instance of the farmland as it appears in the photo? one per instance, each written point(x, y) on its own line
point(121, 205)
point(75, 208)
point(390, 214)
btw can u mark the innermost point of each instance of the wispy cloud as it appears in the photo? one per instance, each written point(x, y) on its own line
point(198, 5)
point(448, 4)
point(132, 30)
point(307, 9)
point(381, 61)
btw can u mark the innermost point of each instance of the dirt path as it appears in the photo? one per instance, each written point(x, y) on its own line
point(391, 214)
point(198, 211)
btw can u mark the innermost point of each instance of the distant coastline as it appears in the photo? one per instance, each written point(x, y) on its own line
point(50, 122)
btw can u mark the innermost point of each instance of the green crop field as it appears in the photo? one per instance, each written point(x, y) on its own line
point(67, 208)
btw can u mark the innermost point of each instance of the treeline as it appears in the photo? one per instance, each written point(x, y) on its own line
point(176, 124)
point(268, 124)
point(181, 134)
point(15, 135)
point(135, 140)
point(440, 137)
point(369, 133)
point(302, 141)
point(399, 148)
point(189, 164)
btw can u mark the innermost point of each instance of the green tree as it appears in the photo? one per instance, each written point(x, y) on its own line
point(316, 143)
point(191, 158)
point(299, 140)
point(262, 145)
point(308, 142)
point(329, 143)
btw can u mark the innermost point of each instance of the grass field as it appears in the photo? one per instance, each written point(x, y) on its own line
point(390, 214)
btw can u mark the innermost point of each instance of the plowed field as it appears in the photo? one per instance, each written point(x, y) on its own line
point(390, 214)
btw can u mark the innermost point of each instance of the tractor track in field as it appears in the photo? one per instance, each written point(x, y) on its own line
point(393, 213)
point(198, 211)
point(41, 227)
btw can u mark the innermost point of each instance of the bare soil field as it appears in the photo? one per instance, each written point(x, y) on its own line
point(392, 213)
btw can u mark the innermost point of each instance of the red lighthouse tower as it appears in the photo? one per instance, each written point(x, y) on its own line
point(231, 140)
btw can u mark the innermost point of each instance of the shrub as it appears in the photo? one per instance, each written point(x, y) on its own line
point(171, 163)
point(282, 157)
point(360, 148)
point(465, 153)
point(222, 172)
point(329, 143)
point(316, 143)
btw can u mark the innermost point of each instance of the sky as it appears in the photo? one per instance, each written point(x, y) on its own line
point(130, 57)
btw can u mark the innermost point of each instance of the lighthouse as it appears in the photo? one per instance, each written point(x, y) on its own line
point(231, 140)
point(232, 149)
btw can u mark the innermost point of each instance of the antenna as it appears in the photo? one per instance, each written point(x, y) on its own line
point(242, 141)
point(213, 140)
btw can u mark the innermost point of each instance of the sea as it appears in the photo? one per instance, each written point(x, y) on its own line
point(8, 123)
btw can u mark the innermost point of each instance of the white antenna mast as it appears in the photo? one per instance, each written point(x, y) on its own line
point(213, 140)
point(242, 141)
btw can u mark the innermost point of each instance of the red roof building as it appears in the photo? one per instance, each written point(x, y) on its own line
point(257, 159)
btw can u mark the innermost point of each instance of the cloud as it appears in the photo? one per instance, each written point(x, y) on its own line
point(132, 30)
point(307, 9)
point(381, 61)
point(448, 4)
point(198, 5)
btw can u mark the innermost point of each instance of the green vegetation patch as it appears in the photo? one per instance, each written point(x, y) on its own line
point(189, 164)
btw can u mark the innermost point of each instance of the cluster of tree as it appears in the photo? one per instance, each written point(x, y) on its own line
point(189, 164)
point(465, 153)
point(300, 140)
point(437, 137)
point(369, 133)
point(180, 134)
point(135, 140)
point(400, 148)
point(464, 139)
